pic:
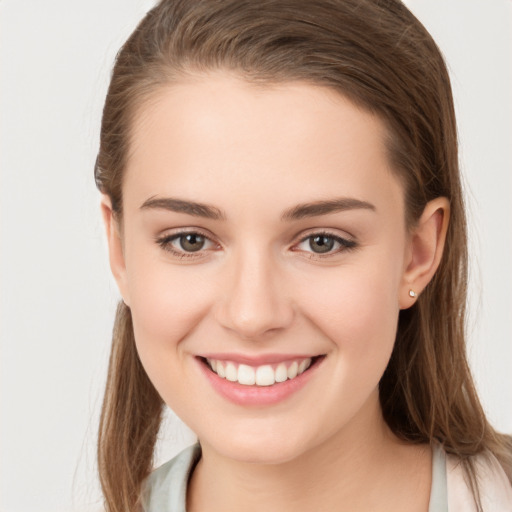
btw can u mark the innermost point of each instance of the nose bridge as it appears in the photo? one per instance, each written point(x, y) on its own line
point(255, 301)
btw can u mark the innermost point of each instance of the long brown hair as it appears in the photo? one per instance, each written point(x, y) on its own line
point(377, 54)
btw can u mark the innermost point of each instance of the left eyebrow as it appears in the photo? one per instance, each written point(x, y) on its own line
point(318, 208)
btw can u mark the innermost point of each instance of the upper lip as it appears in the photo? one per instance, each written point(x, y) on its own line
point(257, 360)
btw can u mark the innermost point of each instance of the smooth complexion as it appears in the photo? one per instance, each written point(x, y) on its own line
point(258, 173)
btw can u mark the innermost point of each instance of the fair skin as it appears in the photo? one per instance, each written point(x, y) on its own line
point(259, 289)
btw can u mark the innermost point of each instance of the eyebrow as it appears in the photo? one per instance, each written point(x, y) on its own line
point(325, 207)
point(182, 206)
point(298, 212)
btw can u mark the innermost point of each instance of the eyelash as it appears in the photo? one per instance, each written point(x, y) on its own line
point(166, 241)
point(345, 244)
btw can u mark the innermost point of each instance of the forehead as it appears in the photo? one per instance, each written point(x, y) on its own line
point(217, 137)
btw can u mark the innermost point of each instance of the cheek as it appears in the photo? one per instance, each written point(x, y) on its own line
point(357, 309)
point(166, 301)
point(358, 314)
point(163, 308)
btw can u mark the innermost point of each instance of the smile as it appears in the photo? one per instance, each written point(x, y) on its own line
point(265, 381)
point(263, 375)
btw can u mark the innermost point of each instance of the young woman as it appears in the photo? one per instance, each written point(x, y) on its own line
point(285, 223)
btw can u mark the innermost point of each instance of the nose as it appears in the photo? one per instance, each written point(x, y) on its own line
point(254, 302)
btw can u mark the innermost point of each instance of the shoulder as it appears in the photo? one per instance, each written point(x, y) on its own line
point(494, 486)
point(165, 489)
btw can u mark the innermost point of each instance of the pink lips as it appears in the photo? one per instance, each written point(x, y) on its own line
point(257, 395)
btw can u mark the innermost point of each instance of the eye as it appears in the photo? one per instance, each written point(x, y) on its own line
point(185, 244)
point(325, 244)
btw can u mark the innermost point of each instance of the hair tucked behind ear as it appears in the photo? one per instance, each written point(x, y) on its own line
point(378, 55)
point(130, 419)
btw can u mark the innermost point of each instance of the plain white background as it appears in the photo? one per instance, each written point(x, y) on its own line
point(57, 297)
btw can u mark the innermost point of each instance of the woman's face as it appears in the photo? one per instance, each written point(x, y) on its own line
point(263, 227)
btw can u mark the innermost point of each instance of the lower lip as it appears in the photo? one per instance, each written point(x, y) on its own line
point(258, 395)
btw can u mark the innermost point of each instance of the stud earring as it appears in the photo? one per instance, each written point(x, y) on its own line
point(412, 293)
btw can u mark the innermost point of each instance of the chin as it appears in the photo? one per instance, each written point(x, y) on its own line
point(259, 449)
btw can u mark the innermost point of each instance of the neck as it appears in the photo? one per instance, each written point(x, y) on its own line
point(353, 467)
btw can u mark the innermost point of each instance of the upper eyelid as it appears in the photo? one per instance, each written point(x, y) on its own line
point(345, 243)
point(184, 231)
point(346, 240)
point(327, 232)
point(171, 235)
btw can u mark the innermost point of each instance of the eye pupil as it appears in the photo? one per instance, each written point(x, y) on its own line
point(321, 243)
point(192, 242)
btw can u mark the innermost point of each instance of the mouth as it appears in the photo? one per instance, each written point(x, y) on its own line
point(265, 375)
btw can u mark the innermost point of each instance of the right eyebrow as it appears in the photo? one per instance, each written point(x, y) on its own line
point(180, 206)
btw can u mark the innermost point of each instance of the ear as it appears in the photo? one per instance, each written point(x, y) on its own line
point(425, 250)
point(115, 246)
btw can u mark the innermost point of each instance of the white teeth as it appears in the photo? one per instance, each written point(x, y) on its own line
point(264, 375)
point(246, 375)
point(303, 365)
point(231, 372)
point(281, 373)
point(292, 371)
point(220, 370)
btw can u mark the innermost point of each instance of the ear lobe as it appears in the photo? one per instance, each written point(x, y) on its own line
point(115, 246)
point(426, 250)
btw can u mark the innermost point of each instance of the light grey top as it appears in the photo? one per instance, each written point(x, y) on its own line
point(166, 487)
point(439, 490)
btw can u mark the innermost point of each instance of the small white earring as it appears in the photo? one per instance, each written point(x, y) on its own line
point(412, 293)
